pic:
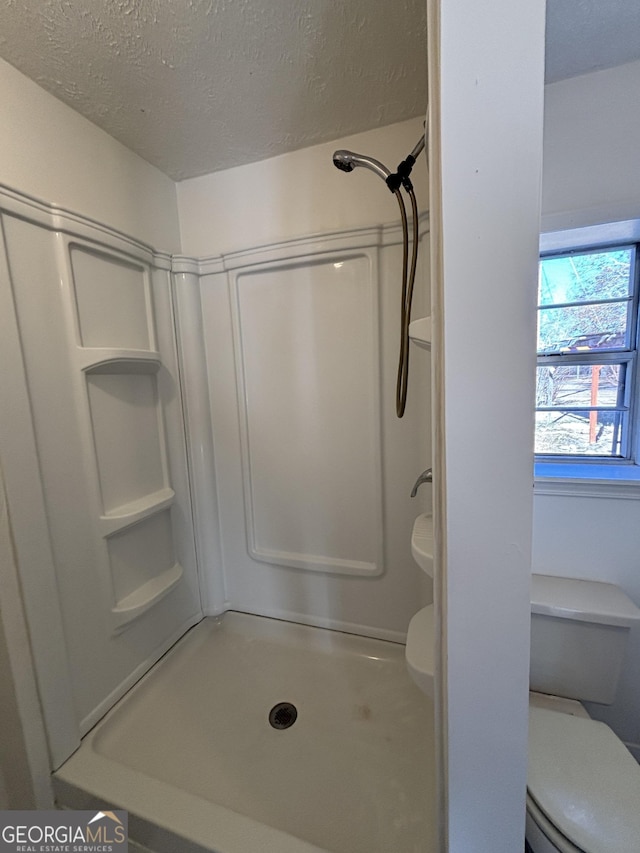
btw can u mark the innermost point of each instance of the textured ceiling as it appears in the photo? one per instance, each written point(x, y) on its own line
point(588, 35)
point(195, 86)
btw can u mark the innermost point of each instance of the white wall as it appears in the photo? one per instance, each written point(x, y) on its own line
point(591, 135)
point(592, 175)
point(49, 151)
point(490, 139)
point(295, 195)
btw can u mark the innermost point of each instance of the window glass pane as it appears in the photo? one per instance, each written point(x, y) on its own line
point(582, 385)
point(587, 276)
point(579, 433)
point(583, 327)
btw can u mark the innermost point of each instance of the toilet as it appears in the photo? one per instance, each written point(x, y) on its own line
point(583, 785)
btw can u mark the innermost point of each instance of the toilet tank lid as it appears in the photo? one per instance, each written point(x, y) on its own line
point(582, 600)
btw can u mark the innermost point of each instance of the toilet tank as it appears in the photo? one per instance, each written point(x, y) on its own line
point(579, 631)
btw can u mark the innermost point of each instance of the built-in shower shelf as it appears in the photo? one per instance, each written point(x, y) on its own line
point(107, 360)
point(141, 599)
point(419, 652)
point(422, 543)
point(131, 513)
point(420, 332)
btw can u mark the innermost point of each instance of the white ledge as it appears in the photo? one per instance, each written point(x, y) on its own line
point(420, 332)
point(587, 479)
point(145, 597)
point(422, 543)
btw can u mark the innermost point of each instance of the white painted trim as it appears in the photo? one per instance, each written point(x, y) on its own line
point(567, 220)
point(615, 489)
point(485, 191)
point(438, 438)
point(627, 231)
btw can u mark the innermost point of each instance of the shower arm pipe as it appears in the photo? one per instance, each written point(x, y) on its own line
point(401, 176)
point(419, 146)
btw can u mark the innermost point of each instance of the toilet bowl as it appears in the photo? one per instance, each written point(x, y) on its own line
point(583, 788)
point(583, 785)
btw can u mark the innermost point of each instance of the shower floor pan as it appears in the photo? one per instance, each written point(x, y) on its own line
point(191, 754)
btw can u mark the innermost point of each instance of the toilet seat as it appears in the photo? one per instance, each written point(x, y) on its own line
point(542, 835)
point(583, 783)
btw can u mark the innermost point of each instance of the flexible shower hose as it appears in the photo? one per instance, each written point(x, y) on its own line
point(407, 296)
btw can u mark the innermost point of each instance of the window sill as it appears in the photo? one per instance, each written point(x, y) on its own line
point(587, 480)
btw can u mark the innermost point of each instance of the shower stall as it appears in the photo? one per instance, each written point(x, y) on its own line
point(224, 521)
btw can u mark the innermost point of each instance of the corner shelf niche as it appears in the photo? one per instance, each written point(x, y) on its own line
point(129, 446)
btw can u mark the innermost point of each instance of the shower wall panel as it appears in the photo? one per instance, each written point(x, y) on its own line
point(94, 314)
point(313, 469)
point(308, 382)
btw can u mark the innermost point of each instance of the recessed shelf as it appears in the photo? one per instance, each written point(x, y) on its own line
point(419, 652)
point(422, 543)
point(150, 593)
point(128, 514)
point(103, 360)
point(420, 332)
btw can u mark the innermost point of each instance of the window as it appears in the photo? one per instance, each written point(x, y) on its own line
point(587, 369)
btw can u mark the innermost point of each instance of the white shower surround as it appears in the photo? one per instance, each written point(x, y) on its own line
point(389, 512)
point(236, 569)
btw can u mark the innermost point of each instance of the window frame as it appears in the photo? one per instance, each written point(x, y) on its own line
point(568, 467)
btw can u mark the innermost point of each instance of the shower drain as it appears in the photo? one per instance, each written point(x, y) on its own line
point(283, 715)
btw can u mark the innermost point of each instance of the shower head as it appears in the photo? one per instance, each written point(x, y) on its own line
point(348, 160)
point(343, 160)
